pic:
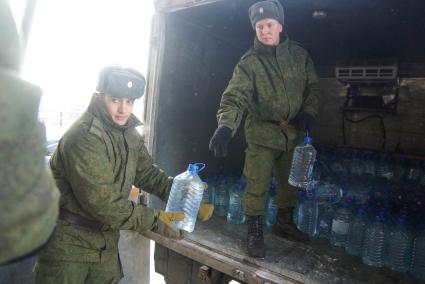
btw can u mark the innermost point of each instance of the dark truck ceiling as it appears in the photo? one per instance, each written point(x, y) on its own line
point(334, 31)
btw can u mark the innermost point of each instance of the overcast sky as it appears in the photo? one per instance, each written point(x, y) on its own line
point(72, 40)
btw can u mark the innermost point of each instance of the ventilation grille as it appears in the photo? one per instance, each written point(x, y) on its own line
point(366, 73)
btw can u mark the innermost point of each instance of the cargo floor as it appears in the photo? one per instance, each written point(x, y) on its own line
point(222, 246)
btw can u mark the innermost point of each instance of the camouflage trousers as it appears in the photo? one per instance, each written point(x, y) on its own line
point(108, 270)
point(259, 164)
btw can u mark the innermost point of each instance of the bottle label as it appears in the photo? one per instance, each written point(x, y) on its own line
point(340, 227)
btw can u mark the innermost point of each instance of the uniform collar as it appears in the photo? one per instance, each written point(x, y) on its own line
point(267, 49)
point(97, 108)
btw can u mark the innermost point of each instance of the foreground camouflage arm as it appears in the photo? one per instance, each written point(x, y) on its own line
point(98, 193)
point(29, 200)
point(235, 98)
point(150, 178)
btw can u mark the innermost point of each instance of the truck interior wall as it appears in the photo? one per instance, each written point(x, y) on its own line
point(203, 44)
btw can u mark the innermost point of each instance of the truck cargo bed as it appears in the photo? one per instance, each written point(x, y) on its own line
point(221, 246)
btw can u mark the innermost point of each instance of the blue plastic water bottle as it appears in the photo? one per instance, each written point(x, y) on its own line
point(271, 205)
point(186, 195)
point(340, 225)
point(375, 240)
point(307, 215)
point(302, 163)
point(417, 268)
point(400, 244)
point(236, 212)
point(356, 232)
point(221, 198)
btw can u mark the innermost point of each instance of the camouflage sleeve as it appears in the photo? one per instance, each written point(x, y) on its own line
point(90, 175)
point(150, 177)
point(235, 98)
point(312, 90)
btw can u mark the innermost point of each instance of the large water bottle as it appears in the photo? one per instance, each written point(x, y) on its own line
point(369, 164)
point(324, 219)
point(307, 215)
point(340, 225)
point(208, 196)
point(385, 168)
point(375, 240)
point(186, 195)
point(296, 212)
point(415, 172)
point(417, 268)
point(271, 205)
point(356, 232)
point(400, 244)
point(221, 198)
point(327, 192)
point(236, 213)
point(302, 163)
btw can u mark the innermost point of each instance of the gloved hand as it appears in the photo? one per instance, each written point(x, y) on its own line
point(305, 121)
point(205, 211)
point(219, 141)
point(164, 225)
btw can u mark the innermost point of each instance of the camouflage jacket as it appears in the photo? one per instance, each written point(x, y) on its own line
point(274, 84)
point(95, 165)
point(29, 199)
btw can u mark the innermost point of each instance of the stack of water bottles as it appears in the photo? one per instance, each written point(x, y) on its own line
point(371, 205)
point(226, 192)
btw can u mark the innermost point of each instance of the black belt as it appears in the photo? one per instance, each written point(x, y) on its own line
point(79, 220)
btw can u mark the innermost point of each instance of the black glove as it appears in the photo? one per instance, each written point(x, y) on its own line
point(305, 121)
point(219, 141)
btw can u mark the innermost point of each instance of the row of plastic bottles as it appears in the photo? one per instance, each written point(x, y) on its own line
point(226, 193)
point(336, 161)
point(377, 240)
point(324, 209)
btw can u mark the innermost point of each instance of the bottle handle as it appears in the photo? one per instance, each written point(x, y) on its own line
point(200, 166)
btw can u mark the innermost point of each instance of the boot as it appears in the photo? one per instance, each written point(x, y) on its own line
point(285, 227)
point(256, 248)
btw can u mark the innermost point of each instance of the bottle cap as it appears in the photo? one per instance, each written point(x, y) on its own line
point(195, 168)
point(307, 138)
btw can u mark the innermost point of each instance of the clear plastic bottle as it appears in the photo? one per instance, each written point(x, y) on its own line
point(324, 219)
point(307, 215)
point(327, 192)
point(356, 233)
point(400, 244)
point(385, 168)
point(221, 198)
point(236, 213)
point(417, 268)
point(302, 163)
point(296, 212)
point(369, 164)
point(340, 225)
point(208, 196)
point(186, 195)
point(271, 205)
point(375, 240)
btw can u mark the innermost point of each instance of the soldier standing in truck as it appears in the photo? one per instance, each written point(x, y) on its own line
point(276, 83)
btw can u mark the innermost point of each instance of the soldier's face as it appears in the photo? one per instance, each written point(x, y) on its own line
point(268, 31)
point(120, 109)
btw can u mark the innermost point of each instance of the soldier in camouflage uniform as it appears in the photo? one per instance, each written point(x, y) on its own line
point(97, 162)
point(276, 83)
point(29, 199)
